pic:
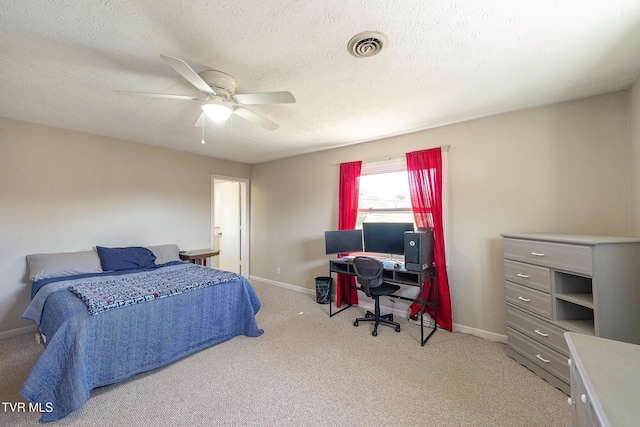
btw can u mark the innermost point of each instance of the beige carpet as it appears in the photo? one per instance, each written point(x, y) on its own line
point(311, 370)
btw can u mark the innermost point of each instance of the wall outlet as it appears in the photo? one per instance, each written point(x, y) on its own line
point(278, 270)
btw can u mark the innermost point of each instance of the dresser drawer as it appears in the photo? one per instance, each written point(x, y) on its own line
point(529, 299)
point(583, 413)
point(571, 258)
point(548, 359)
point(529, 275)
point(537, 329)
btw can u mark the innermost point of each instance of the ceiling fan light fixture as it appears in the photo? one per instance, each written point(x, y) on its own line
point(216, 112)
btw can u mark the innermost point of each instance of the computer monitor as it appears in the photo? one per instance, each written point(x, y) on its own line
point(385, 237)
point(343, 241)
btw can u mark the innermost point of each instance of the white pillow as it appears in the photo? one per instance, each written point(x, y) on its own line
point(165, 253)
point(47, 266)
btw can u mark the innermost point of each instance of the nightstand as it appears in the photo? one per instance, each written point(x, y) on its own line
point(198, 256)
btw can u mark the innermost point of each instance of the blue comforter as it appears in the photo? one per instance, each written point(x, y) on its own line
point(85, 351)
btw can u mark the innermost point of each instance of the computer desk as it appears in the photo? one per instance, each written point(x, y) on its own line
point(398, 276)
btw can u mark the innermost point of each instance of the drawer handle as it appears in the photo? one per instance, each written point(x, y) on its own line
point(541, 333)
point(524, 299)
point(524, 276)
point(583, 398)
point(542, 358)
point(536, 254)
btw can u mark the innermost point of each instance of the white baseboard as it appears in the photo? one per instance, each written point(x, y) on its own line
point(19, 331)
point(284, 285)
point(490, 336)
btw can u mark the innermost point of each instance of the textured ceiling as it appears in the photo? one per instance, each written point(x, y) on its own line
point(61, 63)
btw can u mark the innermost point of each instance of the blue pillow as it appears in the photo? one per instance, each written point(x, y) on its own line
point(125, 258)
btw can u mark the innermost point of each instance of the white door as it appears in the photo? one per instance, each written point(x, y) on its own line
point(229, 226)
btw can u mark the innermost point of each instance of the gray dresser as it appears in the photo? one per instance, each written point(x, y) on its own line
point(605, 378)
point(557, 283)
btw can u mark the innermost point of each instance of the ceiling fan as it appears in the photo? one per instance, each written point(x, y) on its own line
point(220, 98)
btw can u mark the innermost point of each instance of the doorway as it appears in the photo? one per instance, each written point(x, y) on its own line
point(230, 230)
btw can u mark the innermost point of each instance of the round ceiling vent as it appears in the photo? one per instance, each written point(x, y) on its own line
point(367, 44)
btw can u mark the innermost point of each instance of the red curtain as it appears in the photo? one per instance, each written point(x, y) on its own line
point(425, 185)
point(347, 216)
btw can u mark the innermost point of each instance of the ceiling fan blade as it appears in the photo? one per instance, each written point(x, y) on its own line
point(160, 95)
point(199, 122)
point(187, 72)
point(283, 97)
point(255, 118)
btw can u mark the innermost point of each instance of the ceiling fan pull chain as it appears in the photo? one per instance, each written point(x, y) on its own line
point(204, 117)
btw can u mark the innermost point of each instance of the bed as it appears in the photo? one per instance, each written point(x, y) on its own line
point(108, 314)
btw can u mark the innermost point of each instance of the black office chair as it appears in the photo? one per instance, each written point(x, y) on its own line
point(369, 276)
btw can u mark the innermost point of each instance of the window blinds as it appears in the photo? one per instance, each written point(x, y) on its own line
point(390, 164)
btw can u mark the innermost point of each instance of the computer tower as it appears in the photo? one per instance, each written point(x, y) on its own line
point(418, 249)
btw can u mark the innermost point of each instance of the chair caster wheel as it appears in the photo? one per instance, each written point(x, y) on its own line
point(374, 333)
point(355, 323)
point(368, 315)
point(397, 328)
point(391, 317)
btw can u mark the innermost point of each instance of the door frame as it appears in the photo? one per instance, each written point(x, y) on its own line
point(244, 218)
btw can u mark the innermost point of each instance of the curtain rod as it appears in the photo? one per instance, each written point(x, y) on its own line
point(394, 156)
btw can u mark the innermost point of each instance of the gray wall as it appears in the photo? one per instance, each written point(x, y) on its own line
point(63, 191)
point(634, 134)
point(559, 168)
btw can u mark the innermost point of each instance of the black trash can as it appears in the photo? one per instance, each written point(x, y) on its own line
point(323, 290)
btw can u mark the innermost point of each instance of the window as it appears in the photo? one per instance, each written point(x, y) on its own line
point(384, 192)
